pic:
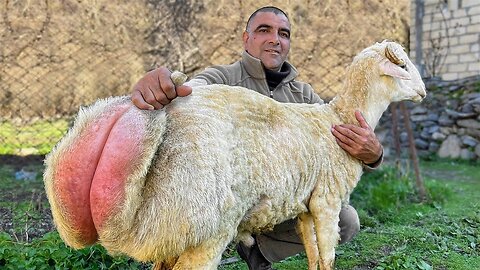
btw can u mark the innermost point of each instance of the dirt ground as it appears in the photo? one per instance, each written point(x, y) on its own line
point(24, 210)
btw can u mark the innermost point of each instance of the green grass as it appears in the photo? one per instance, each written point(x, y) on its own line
point(39, 137)
point(397, 231)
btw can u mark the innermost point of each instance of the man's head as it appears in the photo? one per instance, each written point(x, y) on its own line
point(267, 37)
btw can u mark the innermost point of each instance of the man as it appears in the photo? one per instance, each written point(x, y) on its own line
point(264, 68)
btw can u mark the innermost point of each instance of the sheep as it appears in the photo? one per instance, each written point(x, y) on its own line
point(175, 186)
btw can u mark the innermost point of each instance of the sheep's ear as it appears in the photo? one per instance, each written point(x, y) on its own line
point(390, 69)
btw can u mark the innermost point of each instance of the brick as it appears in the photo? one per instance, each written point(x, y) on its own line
point(460, 21)
point(474, 10)
point(473, 28)
point(475, 66)
point(459, 13)
point(470, 38)
point(454, 41)
point(460, 49)
point(458, 30)
point(468, 57)
point(469, 3)
point(451, 58)
point(449, 76)
point(475, 47)
point(453, 4)
point(475, 19)
point(457, 67)
point(432, 26)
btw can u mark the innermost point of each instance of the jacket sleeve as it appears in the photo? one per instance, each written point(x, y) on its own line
point(213, 75)
point(310, 96)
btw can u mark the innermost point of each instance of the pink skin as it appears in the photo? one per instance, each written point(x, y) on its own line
point(90, 177)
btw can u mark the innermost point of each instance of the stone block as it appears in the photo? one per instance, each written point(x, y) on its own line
point(469, 123)
point(466, 154)
point(421, 144)
point(469, 3)
point(457, 67)
point(460, 49)
point(477, 150)
point(469, 141)
point(475, 19)
point(450, 76)
point(450, 148)
point(438, 136)
point(473, 28)
point(475, 66)
point(452, 58)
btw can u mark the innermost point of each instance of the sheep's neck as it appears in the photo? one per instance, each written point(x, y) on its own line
point(359, 94)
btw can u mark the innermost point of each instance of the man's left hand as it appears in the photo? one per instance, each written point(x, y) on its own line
point(359, 141)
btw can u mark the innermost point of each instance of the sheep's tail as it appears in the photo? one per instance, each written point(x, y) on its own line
point(100, 167)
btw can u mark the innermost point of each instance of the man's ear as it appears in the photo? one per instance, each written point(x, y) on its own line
point(390, 69)
point(245, 39)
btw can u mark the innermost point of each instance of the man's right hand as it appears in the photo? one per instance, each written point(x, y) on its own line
point(156, 89)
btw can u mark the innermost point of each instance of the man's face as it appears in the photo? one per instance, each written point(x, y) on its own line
point(268, 39)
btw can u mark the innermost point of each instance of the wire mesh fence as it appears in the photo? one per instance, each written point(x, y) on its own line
point(56, 56)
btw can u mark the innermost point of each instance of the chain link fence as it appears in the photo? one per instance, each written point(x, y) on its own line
point(56, 56)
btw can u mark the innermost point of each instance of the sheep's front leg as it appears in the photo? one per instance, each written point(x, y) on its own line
point(205, 256)
point(306, 227)
point(325, 210)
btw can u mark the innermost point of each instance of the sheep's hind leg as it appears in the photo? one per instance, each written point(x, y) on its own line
point(205, 256)
point(325, 211)
point(307, 230)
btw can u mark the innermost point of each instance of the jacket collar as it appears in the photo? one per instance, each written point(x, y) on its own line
point(254, 68)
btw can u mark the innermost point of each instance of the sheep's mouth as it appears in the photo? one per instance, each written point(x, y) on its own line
point(90, 174)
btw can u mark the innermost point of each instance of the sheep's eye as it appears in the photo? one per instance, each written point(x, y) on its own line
point(403, 66)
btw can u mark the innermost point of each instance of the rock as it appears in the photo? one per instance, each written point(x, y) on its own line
point(403, 137)
point(433, 147)
point(427, 123)
point(467, 154)
point(425, 135)
point(418, 117)
point(467, 109)
point(25, 175)
point(433, 129)
point(421, 144)
point(477, 150)
point(469, 141)
point(445, 120)
point(438, 136)
point(459, 115)
point(473, 96)
point(433, 117)
point(418, 110)
point(450, 147)
point(473, 132)
point(446, 130)
point(469, 123)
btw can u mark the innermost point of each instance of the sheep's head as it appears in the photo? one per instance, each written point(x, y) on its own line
point(398, 75)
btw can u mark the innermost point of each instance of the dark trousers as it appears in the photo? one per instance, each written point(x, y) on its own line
point(284, 241)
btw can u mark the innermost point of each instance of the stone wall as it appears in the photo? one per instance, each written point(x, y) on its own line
point(445, 37)
point(446, 123)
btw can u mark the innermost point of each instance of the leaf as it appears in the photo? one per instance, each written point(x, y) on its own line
point(424, 266)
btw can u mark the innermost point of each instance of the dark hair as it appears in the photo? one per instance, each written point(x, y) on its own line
point(265, 9)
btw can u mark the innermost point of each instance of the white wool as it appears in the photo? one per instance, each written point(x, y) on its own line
point(232, 162)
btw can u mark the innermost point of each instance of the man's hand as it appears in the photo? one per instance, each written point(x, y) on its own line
point(359, 141)
point(156, 90)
